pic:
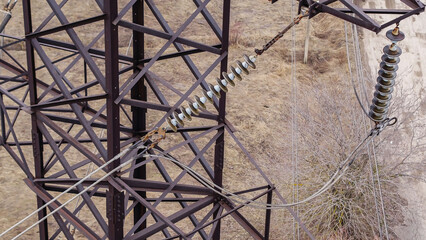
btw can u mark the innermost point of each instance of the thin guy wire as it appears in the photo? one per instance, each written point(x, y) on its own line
point(294, 127)
point(363, 116)
point(69, 189)
point(360, 65)
point(375, 160)
point(119, 78)
point(360, 70)
point(380, 192)
point(206, 182)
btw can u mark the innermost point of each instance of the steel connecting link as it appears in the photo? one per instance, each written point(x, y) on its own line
point(387, 74)
point(295, 21)
point(7, 13)
point(156, 136)
point(214, 90)
point(222, 84)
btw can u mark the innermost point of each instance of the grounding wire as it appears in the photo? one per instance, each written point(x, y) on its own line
point(138, 144)
point(375, 160)
point(361, 80)
point(359, 75)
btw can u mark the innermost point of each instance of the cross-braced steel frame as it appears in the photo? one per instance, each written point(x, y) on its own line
point(359, 15)
point(67, 115)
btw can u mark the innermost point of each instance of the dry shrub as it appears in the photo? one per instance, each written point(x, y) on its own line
point(235, 32)
point(330, 127)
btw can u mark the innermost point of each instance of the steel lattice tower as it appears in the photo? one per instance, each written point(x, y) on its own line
point(67, 115)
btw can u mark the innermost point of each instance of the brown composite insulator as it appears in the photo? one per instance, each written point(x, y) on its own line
point(386, 79)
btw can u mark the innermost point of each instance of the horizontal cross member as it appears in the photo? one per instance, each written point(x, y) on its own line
point(360, 17)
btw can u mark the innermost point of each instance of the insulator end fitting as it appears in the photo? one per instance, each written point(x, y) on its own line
point(395, 35)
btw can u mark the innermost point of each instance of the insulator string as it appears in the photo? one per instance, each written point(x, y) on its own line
point(194, 107)
point(387, 74)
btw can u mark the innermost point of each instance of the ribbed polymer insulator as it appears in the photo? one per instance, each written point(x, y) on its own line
point(387, 74)
point(214, 91)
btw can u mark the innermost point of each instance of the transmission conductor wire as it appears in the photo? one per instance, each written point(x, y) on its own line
point(77, 195)
point(360, 75)
point(259, 205)
point(135, 146)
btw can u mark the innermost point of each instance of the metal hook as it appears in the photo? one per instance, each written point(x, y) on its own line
point(13, 5)
point(394, 119)
point(6, 6)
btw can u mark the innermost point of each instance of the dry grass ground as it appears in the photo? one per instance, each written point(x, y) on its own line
point(260, 107)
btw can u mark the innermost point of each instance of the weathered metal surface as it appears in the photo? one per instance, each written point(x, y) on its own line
point(361, 17)
point(66, 117)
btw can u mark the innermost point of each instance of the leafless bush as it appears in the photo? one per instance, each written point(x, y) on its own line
point(330, 126)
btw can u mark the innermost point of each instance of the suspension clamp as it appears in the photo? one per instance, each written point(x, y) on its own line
point(380, 126)
point(156, 136)
point(299, 17)
point(295, 21)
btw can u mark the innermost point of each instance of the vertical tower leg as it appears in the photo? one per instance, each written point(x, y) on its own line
point(35, 132)
point(220, 142)
point(115, 199)
point(139, 93)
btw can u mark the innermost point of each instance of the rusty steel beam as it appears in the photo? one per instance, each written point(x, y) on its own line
point(361, 17)
point(161, 107)
point(219, 151)
point(130, 84)
point(174, 218)
point(138, 93)
point(35, 132)
point(231, 211)
point(37, 34)
point(167, 36)
point(43, 194)
point(115, 198)
point(53, 98)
